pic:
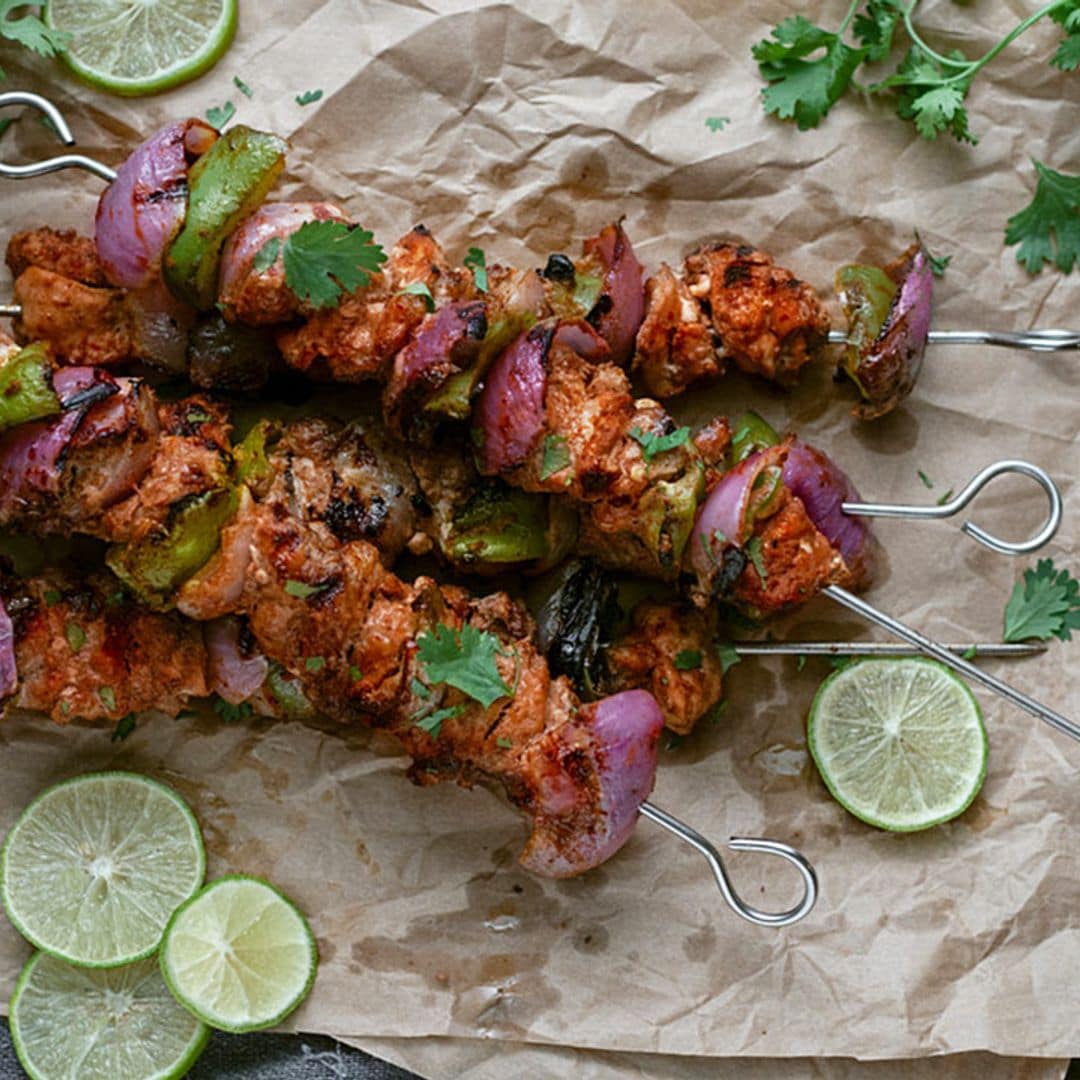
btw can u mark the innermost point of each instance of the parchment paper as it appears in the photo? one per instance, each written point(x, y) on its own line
point(521, 128)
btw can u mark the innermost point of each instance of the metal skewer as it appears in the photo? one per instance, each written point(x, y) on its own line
point(1032, 340)
point(743, 843)
point(881, 648)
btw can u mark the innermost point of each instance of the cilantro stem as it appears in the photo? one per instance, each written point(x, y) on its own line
point(848, 17)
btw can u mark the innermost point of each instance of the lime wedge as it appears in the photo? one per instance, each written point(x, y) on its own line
point(95, 866)
point(239, 955)
point(899, 743)
point(135, 47)
point(100, 1024)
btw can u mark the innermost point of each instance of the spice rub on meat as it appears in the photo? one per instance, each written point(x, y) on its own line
point(62, 252)
point(768, 321)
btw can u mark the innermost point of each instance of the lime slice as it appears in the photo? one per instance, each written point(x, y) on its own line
point(135, 47)
point(95, 866)
point(92, 1023)
point(239, 955)
point(899, 743)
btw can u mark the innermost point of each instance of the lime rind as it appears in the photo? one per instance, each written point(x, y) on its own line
point(930, 775)
point(133, 57)
point(115, 1022)
point(202, 971)
point(86, 919)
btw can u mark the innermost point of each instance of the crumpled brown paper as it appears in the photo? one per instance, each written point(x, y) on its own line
point(522, 128)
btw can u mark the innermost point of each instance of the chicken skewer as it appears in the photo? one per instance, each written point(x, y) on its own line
point(610, 323)
point(582, 773)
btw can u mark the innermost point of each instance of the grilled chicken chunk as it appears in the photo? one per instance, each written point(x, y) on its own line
point(62, 252)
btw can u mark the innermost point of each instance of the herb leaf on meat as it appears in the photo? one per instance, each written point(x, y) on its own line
point(463, 659)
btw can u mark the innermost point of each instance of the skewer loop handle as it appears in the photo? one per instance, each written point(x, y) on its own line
point(769, 847)
point(974, 486)
point(54, 164)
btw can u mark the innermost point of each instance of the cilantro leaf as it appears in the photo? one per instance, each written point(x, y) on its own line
point(1067, 57)
point(1050, 221)
point(757, 557)
point(124, 727)
point(1045, 604)
point(322, 258)
point(243, 87)
point(927, 482)
point(76, 636)
point(420, 288)
point(309, 97)
point(302, 590)
point(556, 456)
point(230, 713)
point(875, 28)
point(938, 263)
point(477, 263)
point(29, 31)
point(504, 743)
point(464, 659)
point(688, 660)
point(717, 123)
point(108, 697)
point(314, 663)
point(729, 656)
point(219, 116)
point(267, 255)
point(803, 89)
point(652, 444)
point(432, 723)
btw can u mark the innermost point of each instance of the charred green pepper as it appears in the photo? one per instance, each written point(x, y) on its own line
point(752, 433)
point(226, 185)
point(26, 389)
point(154, 566)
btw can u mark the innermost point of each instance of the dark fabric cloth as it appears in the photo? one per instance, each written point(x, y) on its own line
point(265, 1056)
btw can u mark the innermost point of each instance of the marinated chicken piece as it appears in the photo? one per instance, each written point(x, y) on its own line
point(769, 322)
point(357, 340)
point(675, 346)
point(82, 324)
point(61, 474)
point(349, 479)
point(798, 561)
point(85, 650)
point(669, 651)
point(713, 441)
point(192, 455)
point(62, 252)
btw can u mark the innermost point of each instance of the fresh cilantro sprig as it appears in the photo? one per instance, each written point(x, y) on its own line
point(1044, 604)
point(1048, 228)
point(28, 30)
point(465, 660)
point(324, 258)
point(652, 444)
point(809, 68)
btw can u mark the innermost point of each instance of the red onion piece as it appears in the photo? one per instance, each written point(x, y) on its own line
point(510, 412)
point(579, 825)
point(9, 674)
point(80, 387)
point(583, 339)
point(162, 325)
point(235, 674)
point(145, 206)
point(822, 487)
point(30, 460)
point(621, 313)
point(238, 275)
point(721, 521)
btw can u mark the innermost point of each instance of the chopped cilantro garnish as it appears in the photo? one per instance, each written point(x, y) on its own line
point(927, 482)
point(51, 597)
point(504, 742)
point(651, 444)
point(420, 288)
point(267, 255)
point(800, 662)
point(728, 654)
point(314, 663)
point(219, 116)
point(309, 97)
point(322, 258)
point(944, 498)
point(1044, 604)
point(355, 673)
point(242, 87)
point(475, 261)
point(717, 123)
point(108, 697)
point(688, 660)
point(197, 416)
point(420, 689)
point(556, 456)
point(230, 713)
point(124, 727)
point(433, 723)
point(970, 653)
point(938, 263)
point(464, 659)
point(302, 590)
point(76, 636)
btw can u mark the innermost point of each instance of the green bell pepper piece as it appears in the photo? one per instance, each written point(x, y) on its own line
point(155, 566)
point(26, 389)
point(752, 433)
point(226, 185)
point(867, 293)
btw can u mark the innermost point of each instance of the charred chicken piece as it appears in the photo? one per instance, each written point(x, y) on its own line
point(768, 321)
point(62, 252)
